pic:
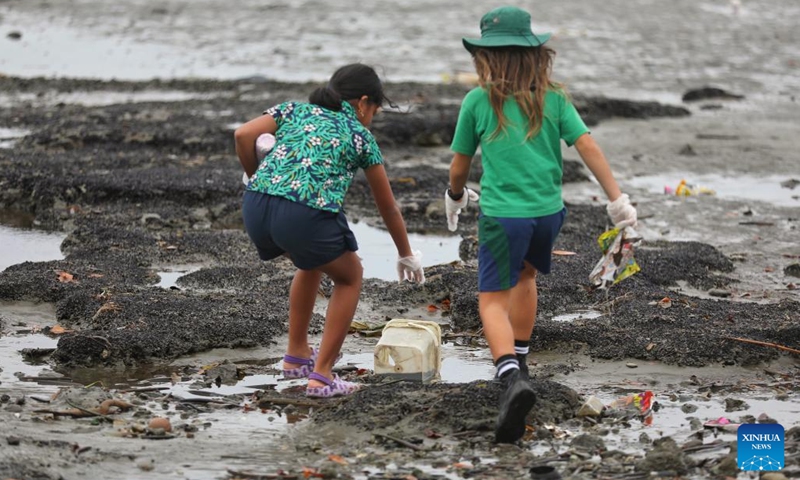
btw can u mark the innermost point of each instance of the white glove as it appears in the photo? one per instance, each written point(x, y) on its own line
point(622, 212)
point(410, 268)
point(264, 144)
point(453, 207)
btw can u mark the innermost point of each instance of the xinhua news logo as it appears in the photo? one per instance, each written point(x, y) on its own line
point(760, 447)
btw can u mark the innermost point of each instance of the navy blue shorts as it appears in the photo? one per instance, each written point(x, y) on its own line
point(310, 236)
point(504, 244)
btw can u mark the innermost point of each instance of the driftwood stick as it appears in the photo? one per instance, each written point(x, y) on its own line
point(765, 344)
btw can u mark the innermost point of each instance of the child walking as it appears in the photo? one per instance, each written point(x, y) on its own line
point(517, 116)
point(293, 206)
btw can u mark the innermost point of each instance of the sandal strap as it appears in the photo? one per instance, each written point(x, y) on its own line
point(320, 378)
point(296, 360)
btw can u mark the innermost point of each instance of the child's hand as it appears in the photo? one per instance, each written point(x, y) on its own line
point(453, 207)
point(622, 212)
point(410, 268)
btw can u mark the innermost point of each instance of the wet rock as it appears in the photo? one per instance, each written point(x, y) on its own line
point(790, 184)
point(773, 476)
point(146, 464)
point(14, 35)
point(688, 408)
point(13, 441)
point(728, 466)
point(644, 438)
point(747, 419)
point(665, 456)
point(735, 405)
point(792, 270)
point(13, 408)
point(589, 443)
point(596, 109)
point(695, 424)
point(160, 423)
point(706, 93)
point(764, 418)
point(687, 151)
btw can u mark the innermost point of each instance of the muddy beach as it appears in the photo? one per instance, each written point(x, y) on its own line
point(159, 302)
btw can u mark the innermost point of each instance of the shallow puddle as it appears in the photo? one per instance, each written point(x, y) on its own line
point(23, 321)
point(23, 244)
point(99, 98)
point(170, 274)
point(581, 315)
point(767, 189)
point(379, 255)
point(10, 136)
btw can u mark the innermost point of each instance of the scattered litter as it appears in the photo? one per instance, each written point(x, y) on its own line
point(639, 403)
point(687, 190)
point(617, 262)
point(722, 423)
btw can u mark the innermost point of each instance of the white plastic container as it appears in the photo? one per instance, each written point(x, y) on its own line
point(409, 349)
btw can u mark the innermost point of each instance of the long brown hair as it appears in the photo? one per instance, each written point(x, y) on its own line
point(516, 72)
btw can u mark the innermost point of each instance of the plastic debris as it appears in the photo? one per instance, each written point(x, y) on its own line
point(641, 404)
point(688, 190)
point(617, 262)
point(722, 423)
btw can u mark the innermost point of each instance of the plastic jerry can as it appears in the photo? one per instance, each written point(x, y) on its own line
point(409, 350)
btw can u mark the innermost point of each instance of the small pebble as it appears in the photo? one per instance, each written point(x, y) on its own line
point(13, 441)
point(631, 365)
point(146, 464)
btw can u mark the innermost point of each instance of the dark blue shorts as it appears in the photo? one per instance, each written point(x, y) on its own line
point(311, 237)
point(504, 244)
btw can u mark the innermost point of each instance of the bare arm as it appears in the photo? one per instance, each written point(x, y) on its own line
point(387, 207)
point(459, 172)
point(245, 138)
point(593, 157)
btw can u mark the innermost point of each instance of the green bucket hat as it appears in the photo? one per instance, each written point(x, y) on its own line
point(506, 27)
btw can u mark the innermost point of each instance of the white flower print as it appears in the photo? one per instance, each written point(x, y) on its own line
point(276, 179)
point(335, 142)
point(309, 128)
point(328, 162)
point(296, 184)
point(359, 144)
point(328, 183)
point(281, 151)
point(316, 111)
point(289, 107)
point(316, 141)
point(306, 162)
point(321, 202)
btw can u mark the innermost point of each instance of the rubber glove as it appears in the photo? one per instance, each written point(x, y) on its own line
point(264, 144)
point(622, 212)
point(410, 268)
point(453, 207)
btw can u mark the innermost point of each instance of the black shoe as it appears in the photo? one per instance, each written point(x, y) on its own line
point(523, 366)
point(515, 403)
point(545, 472)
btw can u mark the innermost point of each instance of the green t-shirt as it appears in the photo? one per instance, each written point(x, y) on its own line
point(317, 153)
point(521, 178)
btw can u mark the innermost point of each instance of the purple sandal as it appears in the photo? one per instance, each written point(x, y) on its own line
point(332, 388)
point(306, 365)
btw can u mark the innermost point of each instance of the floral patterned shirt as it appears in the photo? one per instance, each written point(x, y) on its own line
point(317, 153)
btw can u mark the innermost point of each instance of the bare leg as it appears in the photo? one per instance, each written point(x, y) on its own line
point(523, 303)
point(302, 297)
point(346, 273)
point(494, 310)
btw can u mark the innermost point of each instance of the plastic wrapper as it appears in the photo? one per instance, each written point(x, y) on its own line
point(617, 262)
point(687, 190)
point(638, 404)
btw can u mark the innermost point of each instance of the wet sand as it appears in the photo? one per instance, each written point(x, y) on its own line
point(148, 188)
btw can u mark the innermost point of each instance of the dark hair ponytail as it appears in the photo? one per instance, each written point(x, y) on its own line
point(350, 82)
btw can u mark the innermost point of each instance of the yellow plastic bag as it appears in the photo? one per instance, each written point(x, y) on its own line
point(617, 262)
